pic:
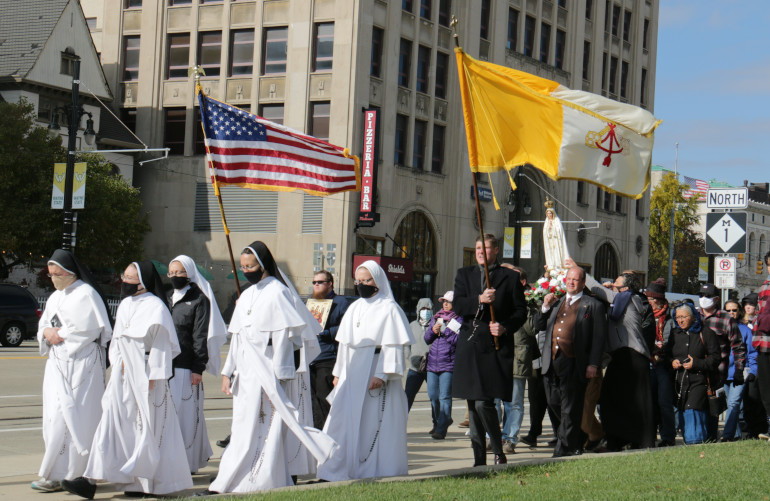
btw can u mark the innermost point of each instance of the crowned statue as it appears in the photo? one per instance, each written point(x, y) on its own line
point(554, 243)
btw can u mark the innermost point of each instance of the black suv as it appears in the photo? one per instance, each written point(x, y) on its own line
point(19, 315)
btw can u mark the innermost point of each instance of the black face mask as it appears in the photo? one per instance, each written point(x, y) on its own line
point(366, 291)
point(253, 276)
point(179, 282)
point(128, 289)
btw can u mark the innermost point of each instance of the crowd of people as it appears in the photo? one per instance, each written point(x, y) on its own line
point(330, 397)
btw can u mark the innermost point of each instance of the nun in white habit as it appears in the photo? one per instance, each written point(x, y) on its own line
point(201, 332)
point(138, 444)
point(368, 411)
point(267, 334)
point(73, 331)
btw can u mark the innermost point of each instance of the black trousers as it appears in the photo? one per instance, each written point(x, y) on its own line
point(321, 384)
point(538, 404)
point(566, 389)
point(483, 420)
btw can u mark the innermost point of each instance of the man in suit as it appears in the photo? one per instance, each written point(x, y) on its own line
point(482, 372)
point(576, 327)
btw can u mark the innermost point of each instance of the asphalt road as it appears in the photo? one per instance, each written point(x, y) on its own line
point(21, 440)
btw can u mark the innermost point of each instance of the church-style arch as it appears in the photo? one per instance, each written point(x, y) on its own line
point(416, 239)
point(606, 263)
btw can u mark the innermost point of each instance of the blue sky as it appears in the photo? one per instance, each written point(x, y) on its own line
point(712, 89)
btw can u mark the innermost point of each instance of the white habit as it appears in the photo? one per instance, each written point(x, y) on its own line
point(138, 445)
point(266, 329)
point(369, 425)
point(73, 383)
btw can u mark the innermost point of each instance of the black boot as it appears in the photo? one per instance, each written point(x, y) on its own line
point(79, 486)
point(479, 455)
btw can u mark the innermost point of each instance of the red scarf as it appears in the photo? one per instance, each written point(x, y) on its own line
point(660, 321)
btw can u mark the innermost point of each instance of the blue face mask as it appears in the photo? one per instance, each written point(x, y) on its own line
point(425, 316)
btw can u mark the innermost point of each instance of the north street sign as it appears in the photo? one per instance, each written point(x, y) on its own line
point(724, 272)
point(727, 198)
point(725, 232)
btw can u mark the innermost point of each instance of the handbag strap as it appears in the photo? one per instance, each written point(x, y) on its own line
point(708, 379)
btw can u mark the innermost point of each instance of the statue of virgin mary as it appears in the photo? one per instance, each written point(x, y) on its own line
point(554, 243)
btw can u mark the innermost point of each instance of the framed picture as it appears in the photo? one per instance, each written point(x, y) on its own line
point(320, 309)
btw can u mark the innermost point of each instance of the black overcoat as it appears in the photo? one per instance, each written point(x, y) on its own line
point(481, 372)
point(191, 319)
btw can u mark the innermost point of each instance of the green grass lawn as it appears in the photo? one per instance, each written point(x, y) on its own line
point(739, 470)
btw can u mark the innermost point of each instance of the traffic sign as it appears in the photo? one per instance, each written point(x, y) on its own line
point(727, 198)
point(724, 272)
point(725, 232)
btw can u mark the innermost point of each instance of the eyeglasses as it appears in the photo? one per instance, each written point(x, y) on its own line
point(125, 277)
point(51, 275)
point(177, 274)
point(249, 268)
point(366, 281)
point(319, 282)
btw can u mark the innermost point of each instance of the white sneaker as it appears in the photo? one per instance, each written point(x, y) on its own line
point(44, 485)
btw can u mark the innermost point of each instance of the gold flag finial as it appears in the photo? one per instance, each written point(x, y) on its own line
point(197, 72)
point(453, 24)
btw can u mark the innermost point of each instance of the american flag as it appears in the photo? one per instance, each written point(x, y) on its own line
point(248, 151)
point(696, 186)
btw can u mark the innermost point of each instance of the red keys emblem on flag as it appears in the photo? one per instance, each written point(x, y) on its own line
point(608, 140)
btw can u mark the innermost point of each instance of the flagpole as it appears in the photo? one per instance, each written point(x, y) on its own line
point(453, 24)
point(197, 72)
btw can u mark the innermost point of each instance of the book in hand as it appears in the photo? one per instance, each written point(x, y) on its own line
point(55, 322)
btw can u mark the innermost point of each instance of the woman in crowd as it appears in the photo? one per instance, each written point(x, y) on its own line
point(267, 335)
point(441, 335)
point(694, 351)
point(201, 333)
point(735, 392)
point(661, 377)
point(138, 445)
point(73, 332)
point(369, 408)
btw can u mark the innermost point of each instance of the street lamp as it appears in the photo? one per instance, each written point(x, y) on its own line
point(76, 113)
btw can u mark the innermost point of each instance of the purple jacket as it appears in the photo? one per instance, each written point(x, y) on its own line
point(441, 356)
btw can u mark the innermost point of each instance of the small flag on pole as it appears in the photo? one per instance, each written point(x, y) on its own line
point(697, 187)
point(248, 151)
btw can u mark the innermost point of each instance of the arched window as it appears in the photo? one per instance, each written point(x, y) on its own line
point(753, 254)
point(416, 240)
point(762, 247)
point(606, 263)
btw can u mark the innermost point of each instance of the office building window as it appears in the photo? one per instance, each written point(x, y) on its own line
point(618, 204)
point(418, 147)
point(132, 4)
point(437, 154)
point(425, 8)
point(607, 17)
point(178, 55)
point(399, 150)
point(624, 79)
point(174, 130)
point(589, 9)
point(582, 192)
point(444, 12)
point(627, 26)
point(210, 52)
point(513, 29)
point(613, 74)
point(274, 50)
point(128, 117)
point(91, 23)
point(378, 37)
point(324, 47)
point(484, 28)
point(545, 42)
point(646, 33)
point(272, 112)
point(210, 1)
point(171, 3)
point(561, 41)
point(643, 97)
point(442, 69)
point(199, 141)
point(529, 36)
point(241, 52)
point(404, 62)
point(563, 4)
point(320, 113)
point(586, 59)
point(615, 19)
point(423, 67)
point(131, 58)
point(407, 5)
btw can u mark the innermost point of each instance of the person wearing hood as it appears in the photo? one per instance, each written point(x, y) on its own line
point(661, 376)
point(694, 352)
point(369, 410)
point(73, 332)
point(265, 364)
point(201, 333)
point(415, 353)
point(138, 444)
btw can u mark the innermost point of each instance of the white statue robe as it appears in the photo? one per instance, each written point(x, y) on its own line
point(266, 329)
point(73, 383)
point(369, 425)
point(554, 244)
point(138, 445)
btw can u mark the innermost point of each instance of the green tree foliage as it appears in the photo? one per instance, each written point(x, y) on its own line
point(688, 245)
point(110, 230)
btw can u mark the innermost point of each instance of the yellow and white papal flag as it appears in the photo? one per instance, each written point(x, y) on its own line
point(513, 118)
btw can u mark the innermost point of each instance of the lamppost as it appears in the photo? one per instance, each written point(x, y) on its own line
point(89, 136)
point(519, 200)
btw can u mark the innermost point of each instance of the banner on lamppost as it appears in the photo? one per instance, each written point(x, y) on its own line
point(78, 186)
point(526, 242)
point(703, 269)
point(508, 242)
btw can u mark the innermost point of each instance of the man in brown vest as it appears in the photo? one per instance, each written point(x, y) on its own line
point(576, 327)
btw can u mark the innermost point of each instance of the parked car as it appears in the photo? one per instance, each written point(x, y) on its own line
point(19, 315)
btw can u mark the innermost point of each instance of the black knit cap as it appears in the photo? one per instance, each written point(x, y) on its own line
point(656, 289)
